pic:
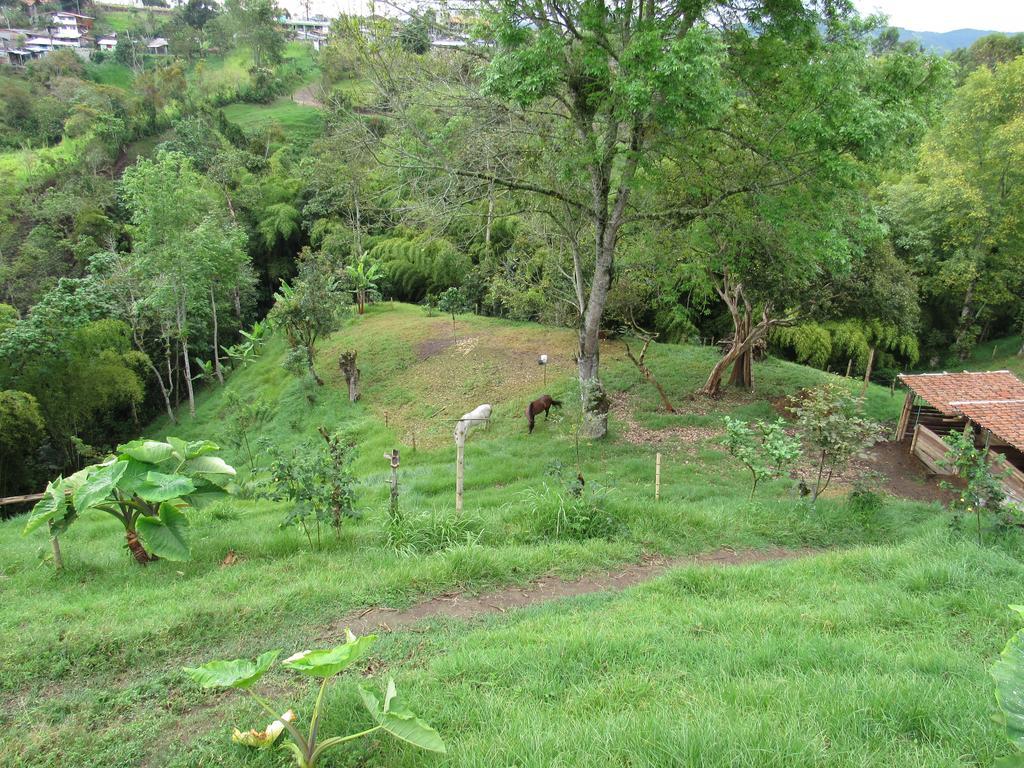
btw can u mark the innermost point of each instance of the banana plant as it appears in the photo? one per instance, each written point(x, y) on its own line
point(1008, 674)
point(147, 485)
point(307, 748)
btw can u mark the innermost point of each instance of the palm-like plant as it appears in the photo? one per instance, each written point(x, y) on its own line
point(363, 275)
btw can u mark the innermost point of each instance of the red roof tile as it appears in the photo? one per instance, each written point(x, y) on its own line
point(991, 399)
point(1003, 419)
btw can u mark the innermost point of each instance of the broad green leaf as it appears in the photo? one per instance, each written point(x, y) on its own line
point(1008, 673)
point(149, 451)
point(180, 447)
point(197, 448)
point(1012, 761)
point(267, 736)
point(234, 673)
point(331, 661)
point(397, 720)
point(208, 465)
point(98, 485)
point(191, 449)
point(52, 506)
point(166, 535)
point(161, 487)
point(134, 475)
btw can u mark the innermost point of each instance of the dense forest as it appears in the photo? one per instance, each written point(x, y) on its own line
point(785, 177)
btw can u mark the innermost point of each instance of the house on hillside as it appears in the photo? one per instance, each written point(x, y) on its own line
point(158, 46)
point(71, 29)
point(12, 50)
point(988, 405)
point(108, 42)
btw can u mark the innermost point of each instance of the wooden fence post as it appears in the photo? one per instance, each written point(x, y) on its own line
point(393, 457)
point(657, 476)
point(460, 467)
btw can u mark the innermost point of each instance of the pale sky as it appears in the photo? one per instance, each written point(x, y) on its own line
point(946, 15)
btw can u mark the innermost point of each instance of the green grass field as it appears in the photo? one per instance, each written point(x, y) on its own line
point(300, 124)
point(871, 653)
point(112, 73)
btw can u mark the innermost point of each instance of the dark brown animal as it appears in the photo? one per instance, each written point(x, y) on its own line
point(542, 403)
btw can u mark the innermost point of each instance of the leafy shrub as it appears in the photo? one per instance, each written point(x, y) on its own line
point(865, 500)
point(983, 492)
point(146, 487)
point(831, 422)
point(318, 479)
point(307, 748)
point(766, 450)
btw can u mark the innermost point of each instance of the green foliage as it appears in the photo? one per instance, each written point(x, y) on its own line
point(982, 493)
point(419, 266)
point(766, 450)
point(956, 216)
point(145, 486)
point(1008, 674)
point(317, 479)
point(309, 307)
point(244, 416)
point(392, 717)
point(22, 430)
point(567, 508)
point(832, 425)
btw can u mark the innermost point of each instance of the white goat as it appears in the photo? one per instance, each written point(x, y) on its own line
point(470, 421)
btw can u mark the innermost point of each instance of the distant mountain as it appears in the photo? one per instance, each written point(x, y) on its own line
point(944, 42)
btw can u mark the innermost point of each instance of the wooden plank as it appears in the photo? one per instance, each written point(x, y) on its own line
point(20, 499)
point(930, 449)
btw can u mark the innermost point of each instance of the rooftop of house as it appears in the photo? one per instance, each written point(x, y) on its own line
point(993, 400)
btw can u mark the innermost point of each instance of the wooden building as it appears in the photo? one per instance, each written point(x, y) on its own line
point(986, 404)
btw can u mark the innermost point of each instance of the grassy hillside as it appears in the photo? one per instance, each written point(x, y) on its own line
point(876, 656)
point(300, 124)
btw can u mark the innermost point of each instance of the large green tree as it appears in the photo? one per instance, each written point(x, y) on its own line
point(583, 108)
point(185, 249)
point(958, 218)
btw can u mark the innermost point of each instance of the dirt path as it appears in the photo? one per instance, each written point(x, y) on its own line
point(306, 95)
point(459, 605)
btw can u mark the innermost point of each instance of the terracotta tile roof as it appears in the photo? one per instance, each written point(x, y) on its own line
point(1003, 419)
point(991, 399)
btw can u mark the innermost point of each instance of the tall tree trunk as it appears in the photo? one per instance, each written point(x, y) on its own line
point(869, 368)
point(165, 391)
point(595, 402)
point(312, 368)
point(216, 338)
point(746, 334)
point(183, 339)
point(964, 324)
point(490, 217)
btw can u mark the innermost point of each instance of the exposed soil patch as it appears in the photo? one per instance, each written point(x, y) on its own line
point(637, 434)
point(431, 347)
point(905, 475)
point(899, 473)
point(460, 605)
point(307, 96)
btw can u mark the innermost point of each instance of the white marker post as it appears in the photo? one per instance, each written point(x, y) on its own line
point(657, 476)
